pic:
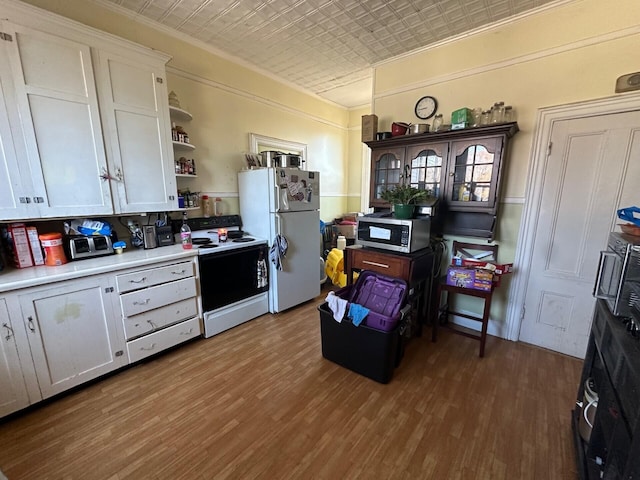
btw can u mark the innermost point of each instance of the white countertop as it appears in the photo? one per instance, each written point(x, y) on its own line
point(13, 279)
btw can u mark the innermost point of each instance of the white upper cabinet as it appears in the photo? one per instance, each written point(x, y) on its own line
point(57, 102)
point(84, 122)
point(135, 113)
point(15, 201)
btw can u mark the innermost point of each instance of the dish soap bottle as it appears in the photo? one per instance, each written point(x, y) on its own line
point(185, 233)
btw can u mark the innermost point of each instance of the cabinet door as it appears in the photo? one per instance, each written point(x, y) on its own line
point(60, 123)
point(427, 165)
point(13, 391)
point(135, 112)
point(73, 333)
point(473, 174)
point(15, 186)
point(386, 172)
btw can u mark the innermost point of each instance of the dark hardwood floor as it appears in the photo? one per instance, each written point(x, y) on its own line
point(260, 401)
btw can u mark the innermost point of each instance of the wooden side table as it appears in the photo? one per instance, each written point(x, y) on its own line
point(414, 268)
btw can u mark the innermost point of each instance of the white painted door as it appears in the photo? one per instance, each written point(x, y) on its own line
point(135, 111)
point(73, 332)
point(591, 171)
point(60, 123)
point(13, 391)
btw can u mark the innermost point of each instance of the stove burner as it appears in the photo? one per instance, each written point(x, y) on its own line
point(208, 245)
point(200, 241)
point(243, 240)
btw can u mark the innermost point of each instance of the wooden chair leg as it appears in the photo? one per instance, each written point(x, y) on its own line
point(485, 323)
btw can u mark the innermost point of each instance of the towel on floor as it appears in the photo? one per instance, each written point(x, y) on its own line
point(278, 251)
point(357, 313)
point(337, 305)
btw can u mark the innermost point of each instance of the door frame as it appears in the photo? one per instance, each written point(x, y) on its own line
point(545, 120)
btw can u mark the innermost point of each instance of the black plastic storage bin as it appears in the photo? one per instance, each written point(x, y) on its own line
point(364, 350)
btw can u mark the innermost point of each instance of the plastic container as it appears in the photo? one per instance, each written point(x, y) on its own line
point(341, 242)
point(588, 410)
point(362, 349)
point(53, 249)
point(383, 296)
point(206, 207)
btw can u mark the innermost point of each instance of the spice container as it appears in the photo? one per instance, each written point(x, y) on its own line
point(206, 207)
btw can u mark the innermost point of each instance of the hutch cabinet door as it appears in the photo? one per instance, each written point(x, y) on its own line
point(473, 174)
point(427, 165)
point(386, 172)
point(60, 123)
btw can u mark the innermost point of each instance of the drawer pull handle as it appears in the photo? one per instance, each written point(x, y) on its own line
point(9, 331)
point(143, 279)
point(153, 345)
point(30, 324)
point(143, 302)
point(187, 333)
point(153, 325)
point(375, 264)
point(179, 273)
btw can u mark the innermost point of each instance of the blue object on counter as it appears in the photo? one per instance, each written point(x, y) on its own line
point(630, 214)
point(120, 245)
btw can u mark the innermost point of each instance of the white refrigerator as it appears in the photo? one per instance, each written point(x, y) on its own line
point(285, 201)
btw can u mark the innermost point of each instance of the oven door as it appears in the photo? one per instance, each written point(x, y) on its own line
point(227, 277)
point(609, 280)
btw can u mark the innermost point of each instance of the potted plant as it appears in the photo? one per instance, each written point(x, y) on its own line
point(404, 198)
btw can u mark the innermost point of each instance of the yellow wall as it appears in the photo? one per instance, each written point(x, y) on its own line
point(571, 53)
point(229, 101)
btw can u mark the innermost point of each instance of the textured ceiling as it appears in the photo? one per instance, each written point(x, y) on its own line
point(323, 46)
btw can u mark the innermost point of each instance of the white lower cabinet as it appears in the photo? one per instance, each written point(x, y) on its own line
point(72, 333)
point(61, 335)
point(159, 307)
point(13, 391)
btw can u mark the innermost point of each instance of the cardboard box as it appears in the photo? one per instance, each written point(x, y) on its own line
point(475, 278)
point(369, 127)
point(17, 242)
point(34, 244)
point(460, 118)
point(500, 268)
point(349, 231)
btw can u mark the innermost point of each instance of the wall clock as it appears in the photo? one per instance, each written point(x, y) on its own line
point(426, 107)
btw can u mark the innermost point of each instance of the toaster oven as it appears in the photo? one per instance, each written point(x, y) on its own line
point(80, 246)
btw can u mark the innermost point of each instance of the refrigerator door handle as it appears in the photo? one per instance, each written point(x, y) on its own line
point(278, 224)
point(276, 195)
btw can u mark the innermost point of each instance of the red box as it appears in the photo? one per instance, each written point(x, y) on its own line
point(18, 245)
point(501, 268)
point(475, 278)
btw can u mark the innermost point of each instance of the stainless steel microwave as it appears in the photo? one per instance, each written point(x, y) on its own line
point(404, 236)
point(618, 279)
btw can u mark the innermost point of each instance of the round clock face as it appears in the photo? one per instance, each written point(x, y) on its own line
point(426, 107)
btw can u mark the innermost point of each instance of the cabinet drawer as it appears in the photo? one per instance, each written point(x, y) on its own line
point(161, 340)
point(158, 318)
point(154, 276)
point(390, 266)
point(154, 297)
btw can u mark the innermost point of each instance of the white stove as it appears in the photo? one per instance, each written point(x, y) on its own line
point(234, 281)
point(219, 234)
